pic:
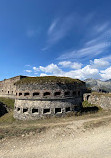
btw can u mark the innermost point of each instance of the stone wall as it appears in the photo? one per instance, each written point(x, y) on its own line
point(36, 109)
point(50, 91)
point(7, 86)
point(34, 100)
point(101, 99)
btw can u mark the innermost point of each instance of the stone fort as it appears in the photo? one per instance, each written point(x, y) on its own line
point(40, 97)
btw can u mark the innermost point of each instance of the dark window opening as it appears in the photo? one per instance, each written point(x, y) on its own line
point(25, 110)
point(8, 92)
point(18, 109)
point(57, 93)
point(35, 93)
point(57, 110)
point(68, 109)
point(46, 111)
point(74, 93)
point(46, 93)
point(88, 97)
point(20, 94)
point(2, 90)
point(16, 93)
point(25, 94)
point(34, 110)
point(12, 92)
point(79, 93)
point(67, 93)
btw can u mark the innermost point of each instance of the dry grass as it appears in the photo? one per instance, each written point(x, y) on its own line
point(48, 79)
point(11, 127)
point(99, 94)
point(8, 102)
point(97, 123)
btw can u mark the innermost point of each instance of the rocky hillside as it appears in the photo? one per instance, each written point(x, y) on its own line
point(98, 85)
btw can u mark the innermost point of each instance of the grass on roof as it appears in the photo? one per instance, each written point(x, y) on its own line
point(48, 79)
point(101, 94)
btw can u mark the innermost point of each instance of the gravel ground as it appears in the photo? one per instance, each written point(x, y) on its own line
point(68, 141)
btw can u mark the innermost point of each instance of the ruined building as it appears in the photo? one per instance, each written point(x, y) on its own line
point(40, 97)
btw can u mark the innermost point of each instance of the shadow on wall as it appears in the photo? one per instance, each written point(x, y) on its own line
point(3, 109)
point(92, 109)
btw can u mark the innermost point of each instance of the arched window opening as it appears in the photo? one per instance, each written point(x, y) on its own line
point(88, 97)
point(67, 93)
point(79, 93)
point(36, 94)
point(46, 93)
point(57, 93)
point(26, 94)
point(74, 93)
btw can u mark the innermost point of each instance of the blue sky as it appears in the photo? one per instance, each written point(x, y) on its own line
point(63, 38)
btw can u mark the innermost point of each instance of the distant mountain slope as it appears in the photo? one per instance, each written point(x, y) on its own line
point(97, 85)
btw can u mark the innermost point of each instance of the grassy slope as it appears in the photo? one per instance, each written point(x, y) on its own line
point(48, 79)
point(99, 94)
point(11, 127)
point(8, 102)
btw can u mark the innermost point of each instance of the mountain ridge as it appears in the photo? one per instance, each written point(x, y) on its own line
point(98, 85)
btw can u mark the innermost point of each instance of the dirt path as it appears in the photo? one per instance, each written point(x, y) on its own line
point(69, 141)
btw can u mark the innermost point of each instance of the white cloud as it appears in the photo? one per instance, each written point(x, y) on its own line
point(86, 51)
point(95, 45)
point(65, 63)
point(86, 72)
point(27, 65)
point(106, 74)
point(107, 58)
point(35, 68)
point(99, 63)
point(58, 29)
point(61, 30)
point(83, 73)
point(43, 74)
point(29, 71)
point(102, 27)
point(52, 68)
point(97, 69)
point(69, 64)
point(52, 26)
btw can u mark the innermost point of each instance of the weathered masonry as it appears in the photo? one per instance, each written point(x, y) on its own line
point(40, 97)
point(8, 88)
point(101, 99)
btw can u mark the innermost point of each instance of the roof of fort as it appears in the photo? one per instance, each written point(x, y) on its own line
point(48, 80)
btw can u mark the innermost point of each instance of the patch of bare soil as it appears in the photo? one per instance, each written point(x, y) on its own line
point(88, 138)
